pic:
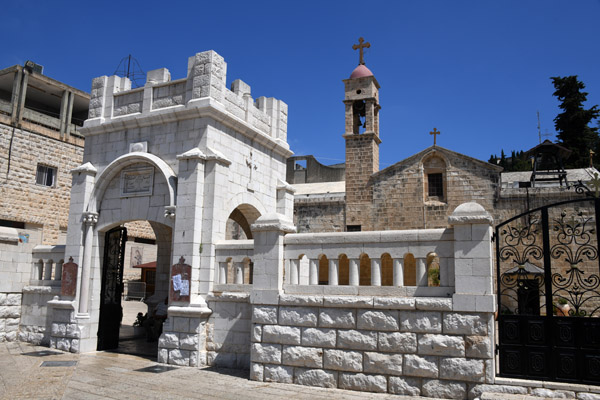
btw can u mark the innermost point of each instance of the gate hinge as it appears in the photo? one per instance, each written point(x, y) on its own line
point(497, 348)
point(493, 236)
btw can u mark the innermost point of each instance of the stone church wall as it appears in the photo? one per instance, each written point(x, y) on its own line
point(417, 347)
point(319, 216)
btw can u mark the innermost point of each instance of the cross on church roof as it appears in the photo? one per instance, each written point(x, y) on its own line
point(435, 132)
point(360, 48)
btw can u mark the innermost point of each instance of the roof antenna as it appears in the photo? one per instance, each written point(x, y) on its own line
point(130, 67)
point(539, 127)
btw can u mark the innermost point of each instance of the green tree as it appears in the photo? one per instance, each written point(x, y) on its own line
point(572, 124)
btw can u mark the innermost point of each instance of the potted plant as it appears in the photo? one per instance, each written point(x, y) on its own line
point(138, 325)
point(562, 307)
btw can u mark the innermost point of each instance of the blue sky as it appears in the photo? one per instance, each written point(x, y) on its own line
point(478, 71)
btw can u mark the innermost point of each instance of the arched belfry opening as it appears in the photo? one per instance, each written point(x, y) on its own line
point(240, 221)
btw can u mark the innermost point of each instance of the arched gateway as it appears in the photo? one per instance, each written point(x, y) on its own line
point(186, 156)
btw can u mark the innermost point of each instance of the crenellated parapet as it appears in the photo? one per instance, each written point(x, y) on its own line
point(112, 97)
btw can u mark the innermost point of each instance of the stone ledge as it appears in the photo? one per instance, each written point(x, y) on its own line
point(190, 312)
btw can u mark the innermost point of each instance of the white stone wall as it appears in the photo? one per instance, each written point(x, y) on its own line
point(10, 313)
point(35, 326)
point(417, 346)
point(228, 331)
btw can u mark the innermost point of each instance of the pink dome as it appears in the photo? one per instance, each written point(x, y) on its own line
point(360, 72)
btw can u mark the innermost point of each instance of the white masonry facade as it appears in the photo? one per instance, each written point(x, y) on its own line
point(187, 155)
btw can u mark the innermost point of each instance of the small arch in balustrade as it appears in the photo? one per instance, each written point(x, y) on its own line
point(48, 270)
point(323, 269)
point(248, 271)
point(343, 270)
point(433, 269)
point(58, 270)
point(226, 271)
point(365, 270)
point(410, 270)
point(38, 270)
point(387, 270)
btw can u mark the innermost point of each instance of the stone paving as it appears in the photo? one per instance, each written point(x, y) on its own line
point(104, 375)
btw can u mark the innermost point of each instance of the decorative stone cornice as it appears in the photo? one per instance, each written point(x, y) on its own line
point(470, 213)
point(212, 154)
point(86, 168)
point(90, 218)
point(170, 212)
point(281, 185)
point(193, 154)
point(273, 222)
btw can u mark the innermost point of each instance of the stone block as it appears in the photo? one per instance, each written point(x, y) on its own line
point(394, 303)
point(315, 377)
point(588, 396)
point(257, 372)
point(221, 359)
point(256, 333)
point(552, 394)
point(62, 344)
point(398, 342)
point(433, 304)
point(405, 386)
point(296, 300)
point(72, 331)
point(337, 318)
point(13, 299)
point(300, 356)
point(281, 334)
point(264, 314)
point(390, 364)
point(426, 366)
point(478, 347)
point(465, 324)
point(477, 390)
point(319, 337)
point(421, 321)
point(179, 357)
point(441, 345)
point(377, 320)
point(279, 373)
point(298, 316)
point(343, 360)
point(462, 369)
point(444, 389)
point(363, 382)
point(188, 341)
point(348, 301)
point(169, 340)
point(266, 353)
point(181, 324)
point(357, 340)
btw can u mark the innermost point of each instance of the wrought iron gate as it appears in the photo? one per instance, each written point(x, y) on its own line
point(111, 312)
point(548, 288)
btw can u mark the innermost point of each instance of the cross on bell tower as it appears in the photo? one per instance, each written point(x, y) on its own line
point(360, 46)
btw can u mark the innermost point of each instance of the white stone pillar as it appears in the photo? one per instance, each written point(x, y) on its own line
point(354, 272)
point(444, 275)
point(294, 273)
point(90, 219)
point(223, 272)
point(239, 273)
point(313, 271)
point(269, 231)
point(375, 271)
point(58, 270)
point(398, 272)
point(333, 272)
point(48, 270)
point(421, 272)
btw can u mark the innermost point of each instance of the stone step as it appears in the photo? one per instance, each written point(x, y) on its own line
point(508, 396)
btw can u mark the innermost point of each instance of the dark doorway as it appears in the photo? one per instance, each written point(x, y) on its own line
point(111, 311)
point(528, 295)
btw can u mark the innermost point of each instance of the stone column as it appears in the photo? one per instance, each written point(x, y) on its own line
point(334, 267)
point(69, 114)
point(398, 272)
point(16, 92)
point(239, 273)
point(223, 272)
point(375, 271)
point(421, 272)
point(313, 271)
point(473, 259)
point(64, 103)
point(268, 232)
point(354, 272)
point(22, 95)
point(48, 270)
point(90, 219)
point(58, 270)
point(294, 273)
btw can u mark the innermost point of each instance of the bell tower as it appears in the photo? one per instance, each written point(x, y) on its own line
point(362, 141)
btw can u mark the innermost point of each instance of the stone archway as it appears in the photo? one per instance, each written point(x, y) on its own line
point(239, 222)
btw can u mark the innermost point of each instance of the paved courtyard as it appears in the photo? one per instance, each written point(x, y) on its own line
point(104, 375)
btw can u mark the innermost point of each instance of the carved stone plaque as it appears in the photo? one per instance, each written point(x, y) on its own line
point(68, 285)
point(137, 182)
point(181, 279)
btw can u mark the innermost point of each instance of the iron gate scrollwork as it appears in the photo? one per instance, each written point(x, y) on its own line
point(548, 288)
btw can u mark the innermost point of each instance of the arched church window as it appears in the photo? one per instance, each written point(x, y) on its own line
point(434, 179)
